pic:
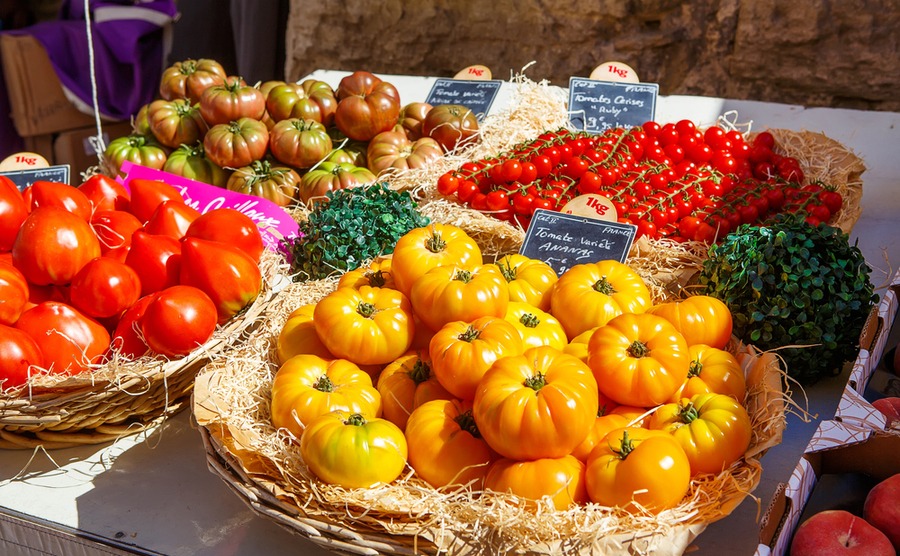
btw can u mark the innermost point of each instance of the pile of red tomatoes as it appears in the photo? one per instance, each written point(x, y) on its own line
point(99, 271)
point(671, 181)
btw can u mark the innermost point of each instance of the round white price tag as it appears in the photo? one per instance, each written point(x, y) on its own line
point(476, 72)
point(591, 205)
point(23, 161)
point(615, 71)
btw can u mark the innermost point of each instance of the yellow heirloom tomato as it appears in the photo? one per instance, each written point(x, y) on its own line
point(307, 386)
point(445, 447)
point(452, 292)
point(562, 479)
point(462, 352)
point(638, 360)
point(712, 371)
point(369, 326)
point(634, 466)
point(377, 274)
point(578, 346)
point(353, 450)
point(589, 295)
point(540, 404)
point(530, 280)
point(701, 319)
point(407, 383)
point(421, 249)
point(298, 335)
point(603, 424)
point(536, 327)
point(713, 429)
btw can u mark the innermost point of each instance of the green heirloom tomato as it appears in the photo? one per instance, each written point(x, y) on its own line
point(331, 176)
point(174, 122)
point(275, 183)
point(352, 450)
point(309, 100)
point(299, 143)
point(139, 149)
point(236, 143)
point(190, 161)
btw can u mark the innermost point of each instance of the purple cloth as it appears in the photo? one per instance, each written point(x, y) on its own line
point(129, 55)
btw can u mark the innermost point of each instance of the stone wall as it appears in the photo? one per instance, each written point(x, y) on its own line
point(839, 53)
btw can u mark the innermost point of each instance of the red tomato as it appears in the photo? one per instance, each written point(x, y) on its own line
point(236, 144)
point(105, 193)
point(146, 195)
point(230, 277)
point(18, 353)
point(127, 337)
point(13, 211)
point(104, 287)
point(61, 195)
point(52, 246)
point(178, 320)
point(13, 293)
point(114, 228)
point(171, 218)
point(230, 101)
point(156, 259)
point(229, 226)
point(69, 340)
point(366, 106)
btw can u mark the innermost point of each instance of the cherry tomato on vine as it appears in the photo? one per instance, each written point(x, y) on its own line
point(448, 183)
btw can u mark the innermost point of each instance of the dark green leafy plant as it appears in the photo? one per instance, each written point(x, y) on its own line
point(352, 227)
point(790, 283)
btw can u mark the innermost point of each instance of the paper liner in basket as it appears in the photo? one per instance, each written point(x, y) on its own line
point(231, 405)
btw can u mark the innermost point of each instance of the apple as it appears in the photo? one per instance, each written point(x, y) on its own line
point(882, 508)
point(839, 533)
point(891, 409)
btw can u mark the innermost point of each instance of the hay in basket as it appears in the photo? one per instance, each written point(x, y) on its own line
point(232, 396)
point(231, 403)
point(119, 397)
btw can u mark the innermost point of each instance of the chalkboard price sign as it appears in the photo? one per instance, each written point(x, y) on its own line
point(477, 96)
point(24, 178)
point(595, 106)
point(565, 240)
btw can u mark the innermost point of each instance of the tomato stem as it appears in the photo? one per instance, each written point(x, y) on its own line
point(420, 372)
point(507, 270)
point(638, 349)
point(627, 446)
point(324, 384)
point(435, 243)
point(466, 422)
point(695, 368)
point(689, 413)
point(470, 335)
point(529, 320)
point(365, 309)
point(464, 276)
point(376, 278)
point(603, 286)
point(536, 382)
point(356, 420)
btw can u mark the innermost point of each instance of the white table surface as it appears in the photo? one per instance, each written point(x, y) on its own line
point(153, 494)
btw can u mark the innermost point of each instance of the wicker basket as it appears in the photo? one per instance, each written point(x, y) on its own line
point(231, 407)
point(119, 398)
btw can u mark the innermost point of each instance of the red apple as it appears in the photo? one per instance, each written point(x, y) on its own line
point(839, 533)
point(891, 409)
point(882, 508)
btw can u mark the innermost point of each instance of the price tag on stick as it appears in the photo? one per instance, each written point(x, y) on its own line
point(595, 106)
point(566, 240)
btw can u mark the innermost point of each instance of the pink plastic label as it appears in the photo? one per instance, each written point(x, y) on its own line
point(274, 223)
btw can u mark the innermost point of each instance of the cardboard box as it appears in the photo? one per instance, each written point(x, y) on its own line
point(75, 148)
point(37, 100)
point(874, 337)
point(836, 449)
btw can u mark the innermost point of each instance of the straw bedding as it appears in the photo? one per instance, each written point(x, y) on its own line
point(264, 466)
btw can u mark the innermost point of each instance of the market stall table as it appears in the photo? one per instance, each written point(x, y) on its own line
point(152, 493)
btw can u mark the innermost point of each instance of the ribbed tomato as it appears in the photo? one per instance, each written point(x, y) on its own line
point(540, 404)
point(701, 319)
point(561, 479)
point(307, 386)
point(536, 327)
point(366, 106)
point(298, 336)
point(455, 292)
point(421, 249)
point(530, 280)
point(445, 447)
point(638, 360)
point(405, 384)
point(712, 371)
point(377, 274)
point(589, 295)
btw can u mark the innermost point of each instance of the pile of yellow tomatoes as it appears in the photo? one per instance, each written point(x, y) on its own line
point(502, 376)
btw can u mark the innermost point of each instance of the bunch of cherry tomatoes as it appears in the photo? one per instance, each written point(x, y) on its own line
point(672, 181)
